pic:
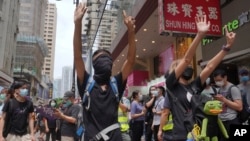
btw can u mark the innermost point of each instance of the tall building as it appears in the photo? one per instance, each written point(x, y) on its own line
point(67, 75)
point(57, 88)
point(31, 48)
point(9, 15)
point(50, 38)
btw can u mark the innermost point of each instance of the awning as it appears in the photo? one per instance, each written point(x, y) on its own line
point(5, 80)
point(233, 57)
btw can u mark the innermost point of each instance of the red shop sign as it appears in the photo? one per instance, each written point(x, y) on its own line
point(179, 15)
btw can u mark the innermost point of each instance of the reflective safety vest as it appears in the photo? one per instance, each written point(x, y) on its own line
point(169, 125)
point(123, 120)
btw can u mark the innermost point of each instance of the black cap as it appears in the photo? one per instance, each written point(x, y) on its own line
point(243, 72)
point(68, 94)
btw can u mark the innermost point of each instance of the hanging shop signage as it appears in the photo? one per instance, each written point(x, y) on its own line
point(179, 16)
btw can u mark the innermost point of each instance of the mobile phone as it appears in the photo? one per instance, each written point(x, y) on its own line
point(212, 94)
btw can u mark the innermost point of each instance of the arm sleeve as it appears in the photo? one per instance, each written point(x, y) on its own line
point(133, 108)
point(75, 111)
point(6, 106)
point(171, 80)
point(236, 95)
point(166, 102)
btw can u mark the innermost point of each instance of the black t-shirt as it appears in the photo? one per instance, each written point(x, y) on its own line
point(149, 114)
point(69, 129)
point(179, 131)
point(103, 110)
point(19, 115)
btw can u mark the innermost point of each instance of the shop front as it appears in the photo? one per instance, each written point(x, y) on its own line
point(237, 20)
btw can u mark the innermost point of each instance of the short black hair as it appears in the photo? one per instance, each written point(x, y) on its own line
point(162, 90)
point(219, 72)
point(99, 51)
point(17, 85)
point(135, 93)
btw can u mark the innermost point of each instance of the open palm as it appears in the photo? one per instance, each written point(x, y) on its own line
point(79, 12)
point(202, 24)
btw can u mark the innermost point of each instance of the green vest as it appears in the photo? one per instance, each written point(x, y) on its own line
point(169, 125)
point(123, 120)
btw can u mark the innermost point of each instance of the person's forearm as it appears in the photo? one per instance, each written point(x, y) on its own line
point(150, 103)
point(163, 121)
point(68, 119)
point(77, 40)
point(1, 125)
point(31, 125)
point(192, 48)
point(132, 46)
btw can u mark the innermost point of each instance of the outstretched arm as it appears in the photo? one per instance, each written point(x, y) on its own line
point(130, 61)
point(213, 63)
point(202, 27)
point(77, 42)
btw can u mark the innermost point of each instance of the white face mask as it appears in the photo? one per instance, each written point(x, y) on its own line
point(219, 83)
point(154, 92)
point(140, 97)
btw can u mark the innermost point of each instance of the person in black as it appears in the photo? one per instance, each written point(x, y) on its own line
point(178, 82)
point(68, 117)
point(51, 124)
point(19, 111)
point(103, 110)
point(149, 114)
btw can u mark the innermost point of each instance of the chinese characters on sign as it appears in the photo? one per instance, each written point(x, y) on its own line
point(179, 16)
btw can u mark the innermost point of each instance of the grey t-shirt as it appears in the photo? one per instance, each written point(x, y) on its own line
point(158, 107)
point(69, 129)
point(228, 113)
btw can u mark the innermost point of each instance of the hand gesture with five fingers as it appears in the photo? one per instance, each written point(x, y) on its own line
point(202, 24)
point(79, 12)
point(129, 21)
point(230, 36)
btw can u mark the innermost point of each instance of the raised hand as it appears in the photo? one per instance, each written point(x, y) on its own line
point(230, 36)
point(79, 12)
point(129, 21)
point(202, 24)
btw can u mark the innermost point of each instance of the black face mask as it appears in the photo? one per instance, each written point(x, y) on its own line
point(103, 69)
point(188, 73)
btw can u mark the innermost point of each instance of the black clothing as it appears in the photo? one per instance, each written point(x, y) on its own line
point(179, 131)
point(19, 115)
point(103, 110)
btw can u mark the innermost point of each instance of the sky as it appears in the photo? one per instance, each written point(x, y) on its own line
point(64, 35)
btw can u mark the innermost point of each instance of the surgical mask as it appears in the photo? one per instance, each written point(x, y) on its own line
point(103, 69)
point(219, 83)
point(23, 92)
point(140, 97)
point(52, 104)
point(154, 92)
point(188, 73)
point(208, 81)
point(244, 78)
point(67, 104)
point(2, 97)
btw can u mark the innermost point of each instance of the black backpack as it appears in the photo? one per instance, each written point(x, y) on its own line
point(244, 114)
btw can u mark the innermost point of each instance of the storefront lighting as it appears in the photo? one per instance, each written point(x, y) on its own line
point(145, 29)
point(136, 40)
point(122, 55)
point(144, 49)
point(153, 42)
point(137, 56)
point(118, 60)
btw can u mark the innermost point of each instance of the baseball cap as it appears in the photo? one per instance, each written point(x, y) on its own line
point(243, 72)
point(68, 94)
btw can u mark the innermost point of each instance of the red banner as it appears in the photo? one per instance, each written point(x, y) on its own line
point(179, 15)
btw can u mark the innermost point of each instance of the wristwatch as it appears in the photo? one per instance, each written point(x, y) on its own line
point(225, 48)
